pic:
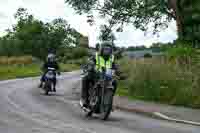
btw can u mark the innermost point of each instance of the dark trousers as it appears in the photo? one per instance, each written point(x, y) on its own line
point(86, 80)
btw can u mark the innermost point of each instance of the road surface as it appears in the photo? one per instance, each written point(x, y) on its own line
point(24, 109)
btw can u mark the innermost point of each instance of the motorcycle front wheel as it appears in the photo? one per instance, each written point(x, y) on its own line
point(107, 104)
point(93, 100)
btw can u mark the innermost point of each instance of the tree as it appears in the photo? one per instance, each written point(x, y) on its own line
point(147, 55)
point(21, 14)
point(189, 19)
point(106, 34)
point(140, 13)
point(161, 47)
point(30, 36)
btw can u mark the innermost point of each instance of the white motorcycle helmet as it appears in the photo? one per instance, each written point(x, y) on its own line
point(51, 58)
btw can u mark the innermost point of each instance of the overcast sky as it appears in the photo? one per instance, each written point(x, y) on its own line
point(47, 10)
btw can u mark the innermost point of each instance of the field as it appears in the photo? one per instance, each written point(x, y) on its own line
point(20, 67)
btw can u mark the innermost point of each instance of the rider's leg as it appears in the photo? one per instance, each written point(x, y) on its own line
point(114, 91)
point(84, 91)
point(115, 86)
point(41, 81)
point(54, 84)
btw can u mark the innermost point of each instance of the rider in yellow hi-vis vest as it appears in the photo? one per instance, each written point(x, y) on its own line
point(103, 59)
point(102, 63)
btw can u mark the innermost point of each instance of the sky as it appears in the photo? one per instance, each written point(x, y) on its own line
point(47, 10)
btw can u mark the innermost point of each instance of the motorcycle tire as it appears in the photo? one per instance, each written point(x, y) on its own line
point(107, 105)
point(46, 89)
point(47, 92)
point(89, 114)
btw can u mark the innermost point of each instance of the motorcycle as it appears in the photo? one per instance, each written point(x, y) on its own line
point(101, 94)
point(49, 77)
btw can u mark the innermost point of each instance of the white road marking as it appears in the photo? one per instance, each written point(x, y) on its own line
point(158, 114)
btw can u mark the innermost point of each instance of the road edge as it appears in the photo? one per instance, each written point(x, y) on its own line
point(157, 115)
point(150, 113)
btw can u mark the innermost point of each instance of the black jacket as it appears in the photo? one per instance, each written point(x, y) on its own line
point(50, 64)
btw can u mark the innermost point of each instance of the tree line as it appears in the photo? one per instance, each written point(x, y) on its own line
point(31, 36)
point(155, 47)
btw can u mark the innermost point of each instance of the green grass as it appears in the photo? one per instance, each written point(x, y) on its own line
point(18, 71)
point(160, 81)
point(69, 67)
point(31, 70)
point(122, 89)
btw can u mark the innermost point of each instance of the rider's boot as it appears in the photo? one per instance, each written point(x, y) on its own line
point(54, 85)
point(83, 102)
point(40, 85)
point(54, 88)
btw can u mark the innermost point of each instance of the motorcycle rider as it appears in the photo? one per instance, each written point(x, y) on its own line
point(104, 59)
point(50, 62)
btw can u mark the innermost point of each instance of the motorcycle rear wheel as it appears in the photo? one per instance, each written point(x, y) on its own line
point(46, 88)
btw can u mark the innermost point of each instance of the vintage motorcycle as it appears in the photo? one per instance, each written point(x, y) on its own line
point(101, 94)
point(50, 76)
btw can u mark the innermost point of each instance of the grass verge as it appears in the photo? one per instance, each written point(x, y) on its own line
point(29, 70)
point(160, 81)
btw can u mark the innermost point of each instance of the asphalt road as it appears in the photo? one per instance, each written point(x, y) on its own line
point(24, 109)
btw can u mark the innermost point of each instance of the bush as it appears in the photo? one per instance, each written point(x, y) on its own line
point(79, 52)
point(181, 55)
point(161, 81)
point(76, 55)
point(147, 55)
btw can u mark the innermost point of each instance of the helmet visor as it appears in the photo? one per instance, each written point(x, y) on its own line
point(107, 50)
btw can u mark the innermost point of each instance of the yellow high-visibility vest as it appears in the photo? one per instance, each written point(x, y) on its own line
point(100, 62)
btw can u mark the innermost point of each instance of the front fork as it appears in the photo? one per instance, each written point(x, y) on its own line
point(111, 88)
